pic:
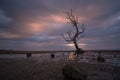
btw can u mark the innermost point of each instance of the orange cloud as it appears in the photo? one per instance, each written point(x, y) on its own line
point(35, 27)
point(58, 19)
point(62, 19)
point(48, 23)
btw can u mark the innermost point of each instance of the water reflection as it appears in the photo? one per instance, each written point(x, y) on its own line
point(87, 57)
point(12, 56)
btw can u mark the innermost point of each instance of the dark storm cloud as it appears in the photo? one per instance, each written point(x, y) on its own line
point(3, 18)
point(22, 10)
point(40, 23)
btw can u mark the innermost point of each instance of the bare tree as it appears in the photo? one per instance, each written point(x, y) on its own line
point(76, 34)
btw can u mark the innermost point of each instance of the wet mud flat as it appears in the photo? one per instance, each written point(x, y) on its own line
point(30, 69)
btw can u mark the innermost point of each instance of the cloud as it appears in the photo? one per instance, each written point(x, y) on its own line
point(4, 19)
point(38, 24)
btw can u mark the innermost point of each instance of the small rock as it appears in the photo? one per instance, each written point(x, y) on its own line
point(100, 59)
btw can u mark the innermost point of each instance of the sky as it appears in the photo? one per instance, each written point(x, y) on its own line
point(38, 24)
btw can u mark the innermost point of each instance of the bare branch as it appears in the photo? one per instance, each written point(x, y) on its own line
point(66, 38)
point(80, 36)
point(82, 29)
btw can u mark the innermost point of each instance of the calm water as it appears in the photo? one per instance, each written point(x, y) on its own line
point(12, 56)
point(88, 57)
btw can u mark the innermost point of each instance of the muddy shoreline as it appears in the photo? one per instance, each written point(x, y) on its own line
point(29, 69)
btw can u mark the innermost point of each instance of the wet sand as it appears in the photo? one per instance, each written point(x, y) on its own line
point(29, 69)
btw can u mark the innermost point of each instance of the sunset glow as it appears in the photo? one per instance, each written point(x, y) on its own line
point(80, 44)
point(35, 27)
point(59, 19)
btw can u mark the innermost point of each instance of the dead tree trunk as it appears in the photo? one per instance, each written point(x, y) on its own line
point(75, 35)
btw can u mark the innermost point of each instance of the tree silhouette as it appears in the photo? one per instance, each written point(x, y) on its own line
point(76, 34)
